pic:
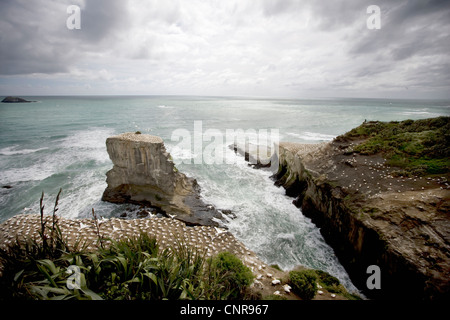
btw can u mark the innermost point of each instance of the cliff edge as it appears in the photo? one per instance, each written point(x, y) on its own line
point(380, 195)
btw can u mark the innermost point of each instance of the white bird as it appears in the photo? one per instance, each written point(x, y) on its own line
point(277, 293)
point(287, 288)
point(172, 215)
point(333, 295)
point(320, 292)
point(220, 231)
point(275, 282)
point(269, 275)
point(82, 226)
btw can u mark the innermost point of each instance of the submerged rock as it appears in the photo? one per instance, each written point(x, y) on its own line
point(144, 173)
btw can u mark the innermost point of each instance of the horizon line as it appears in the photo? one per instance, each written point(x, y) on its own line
point(222, 96)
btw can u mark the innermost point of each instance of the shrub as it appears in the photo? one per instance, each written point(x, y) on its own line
point(233, 273)
point(327, 279)
point(418, 147)
point(303, 283)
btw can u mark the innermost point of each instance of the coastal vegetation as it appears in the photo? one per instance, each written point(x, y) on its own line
point(129, 269)
point(303, 283)
point(420, 147)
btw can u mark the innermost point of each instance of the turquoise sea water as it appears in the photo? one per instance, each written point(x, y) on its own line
point(59, 142)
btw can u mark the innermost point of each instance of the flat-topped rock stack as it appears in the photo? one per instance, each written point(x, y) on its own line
point(144, 173)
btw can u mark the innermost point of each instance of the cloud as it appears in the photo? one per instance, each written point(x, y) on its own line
point(267, 47)
point(35, 38)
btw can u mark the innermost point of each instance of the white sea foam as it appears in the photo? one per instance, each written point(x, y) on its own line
point(312, 136)
point(13, 150)
point(89, 144)
point(165, 107)
point(420, 114)
point(267, 221)
point(179, 153)
point(86, 190)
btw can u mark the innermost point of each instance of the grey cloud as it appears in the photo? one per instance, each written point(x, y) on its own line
point(101, 18)
point(275, 7)
point(34, 37)
point(408, 29)
point(175, 38)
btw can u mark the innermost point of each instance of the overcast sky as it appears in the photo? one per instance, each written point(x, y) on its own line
point(264, 48)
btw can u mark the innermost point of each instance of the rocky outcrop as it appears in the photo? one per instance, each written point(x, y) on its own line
point(258, 156)
point(15, 100)
point(144, 173)
point(370, 217)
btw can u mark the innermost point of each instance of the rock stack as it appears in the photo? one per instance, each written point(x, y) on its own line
point(144, 173)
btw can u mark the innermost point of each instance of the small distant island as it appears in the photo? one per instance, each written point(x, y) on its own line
point(15, 100)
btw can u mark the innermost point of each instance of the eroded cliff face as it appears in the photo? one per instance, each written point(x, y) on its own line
point(144, 173)
point(372, 218)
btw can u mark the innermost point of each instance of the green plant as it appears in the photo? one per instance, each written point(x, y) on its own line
point(234, 275)
point(420, 147)
point(303, 283)
point(130, 269)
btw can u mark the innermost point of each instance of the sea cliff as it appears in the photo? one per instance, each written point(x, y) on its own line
point(373, 212)
point(144, 173)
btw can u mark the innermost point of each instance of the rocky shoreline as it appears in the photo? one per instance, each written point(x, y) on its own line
point(366, 212)
point(371, 216)
point(144, 174)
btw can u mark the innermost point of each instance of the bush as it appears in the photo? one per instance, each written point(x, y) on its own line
point(233, 273)
point(303, 283)
point(418, 147)
point(327, 279)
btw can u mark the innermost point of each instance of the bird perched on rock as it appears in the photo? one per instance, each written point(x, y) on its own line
point(275, 282)
point(82, 226)
point(220, 231)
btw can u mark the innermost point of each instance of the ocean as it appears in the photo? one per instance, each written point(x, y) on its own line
point(59, 143)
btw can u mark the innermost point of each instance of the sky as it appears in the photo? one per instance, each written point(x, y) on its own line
point(254, 48)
